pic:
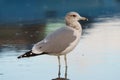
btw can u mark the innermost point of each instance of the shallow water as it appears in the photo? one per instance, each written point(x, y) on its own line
point(95, 58)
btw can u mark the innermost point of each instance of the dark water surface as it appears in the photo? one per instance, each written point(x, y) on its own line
point(97, 56)
point(32, 10)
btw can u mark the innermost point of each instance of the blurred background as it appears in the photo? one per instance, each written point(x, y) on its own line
point(25, 22)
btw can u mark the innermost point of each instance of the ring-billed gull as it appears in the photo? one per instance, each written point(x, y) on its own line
point(61, 41)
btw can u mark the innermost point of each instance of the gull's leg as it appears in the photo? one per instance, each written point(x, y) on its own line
point(59, 60)
point(59, 67)
point(65, 58)
point(66, 72)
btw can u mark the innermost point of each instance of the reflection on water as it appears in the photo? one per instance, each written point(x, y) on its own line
point(95, 58)
point(21, 34)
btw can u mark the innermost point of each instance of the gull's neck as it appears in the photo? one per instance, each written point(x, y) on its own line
point(75, 24)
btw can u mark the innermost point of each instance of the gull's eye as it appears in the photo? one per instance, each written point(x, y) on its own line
point(74, 15)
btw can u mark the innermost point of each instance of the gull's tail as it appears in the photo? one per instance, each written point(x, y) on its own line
point(29, 54)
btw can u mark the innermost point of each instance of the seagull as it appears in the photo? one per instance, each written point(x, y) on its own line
point(61, 41)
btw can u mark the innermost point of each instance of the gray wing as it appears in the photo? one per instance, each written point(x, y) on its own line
point(57, 41)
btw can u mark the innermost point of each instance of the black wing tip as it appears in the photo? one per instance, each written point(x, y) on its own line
point(29, 54)
point(19, 57)
point(22, 56)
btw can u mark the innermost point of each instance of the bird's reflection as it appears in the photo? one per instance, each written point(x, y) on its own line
point(59, 74)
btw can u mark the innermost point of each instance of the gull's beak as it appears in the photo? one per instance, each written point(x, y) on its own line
point(83, 18)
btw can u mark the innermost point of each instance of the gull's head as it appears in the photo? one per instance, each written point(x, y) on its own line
point(74, 16)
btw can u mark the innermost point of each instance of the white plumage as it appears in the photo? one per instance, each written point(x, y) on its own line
point(61, 41)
